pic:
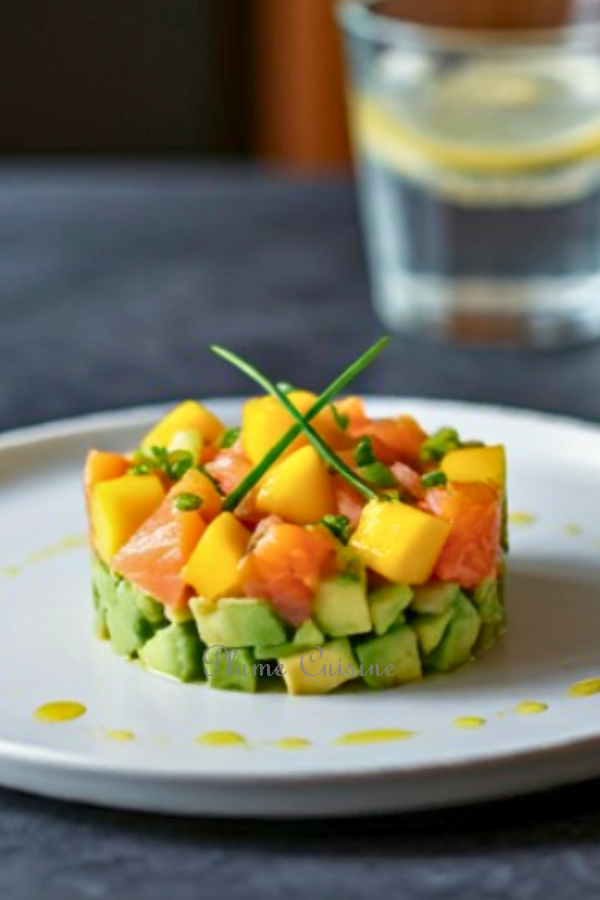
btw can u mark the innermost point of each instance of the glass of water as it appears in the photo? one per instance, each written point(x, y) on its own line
point(477, 138)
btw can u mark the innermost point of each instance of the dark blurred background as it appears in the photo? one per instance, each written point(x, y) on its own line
point(258, 79)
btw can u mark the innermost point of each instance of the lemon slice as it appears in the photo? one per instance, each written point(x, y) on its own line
point(382, 133)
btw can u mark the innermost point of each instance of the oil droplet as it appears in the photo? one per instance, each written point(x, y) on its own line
point(222, 739)
point(59, 711)
point(531, 708)
point(572, 529)
point(374, 736)
point(292, 743)
point(469, 722)
point(10, 571)
point(120, 735)
point(72, 542)
point(586, 688)
point(521, 518)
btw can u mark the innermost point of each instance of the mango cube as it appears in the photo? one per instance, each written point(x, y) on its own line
point(189, 415)
point(103, 466)
point(265, 421)
point(299, 489)
point(476, 464)
point(213, 569)
point(119, 507)
point(399, 542)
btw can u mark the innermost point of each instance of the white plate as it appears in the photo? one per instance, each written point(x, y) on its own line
point(47, 654)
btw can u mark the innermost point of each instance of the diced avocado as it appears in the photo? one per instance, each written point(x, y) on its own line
point(175, 651)
point(387, 604)
point(321, 670)
point(435, 597)
point(104, 584)
point(179, 616)
point(459, 640)
point(150, 609)
point(340, 605)
point(489, 603)
point(390, 659)
point(431, 629)
point(308, 635)
point(129, 629)
point(123, 613)
point(100, 623)
point(230, 669)
point(277, 651)
point(237, 622)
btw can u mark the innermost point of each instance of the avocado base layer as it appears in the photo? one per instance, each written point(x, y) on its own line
point(391, 637)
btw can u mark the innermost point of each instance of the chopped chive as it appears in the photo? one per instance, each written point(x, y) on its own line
point(339, 526)
point(363, 454)
point(434, 479)
point(342, 421)
point(324, 450)
point(174, 465)
point(378, 475)
point(348, 375)
point(188, 502)
point(179, 463)
point(229, 437)
point(439, 444)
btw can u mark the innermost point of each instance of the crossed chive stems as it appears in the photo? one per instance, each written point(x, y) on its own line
point(302, 423)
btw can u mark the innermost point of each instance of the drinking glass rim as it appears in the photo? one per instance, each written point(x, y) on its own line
point(359, 19)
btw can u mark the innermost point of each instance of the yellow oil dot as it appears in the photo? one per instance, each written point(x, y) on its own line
point(586, 688)
point(374, 736)
point(292, 743)
point(59, 711)
point(572, 529)
point(531, 708)
point(10, 571)
point(222, 739)
point(521, 518)
point(469, 722)
point(120, 735)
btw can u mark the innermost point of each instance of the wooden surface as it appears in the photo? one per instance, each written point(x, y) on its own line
point(299, 109)
point(486, 14)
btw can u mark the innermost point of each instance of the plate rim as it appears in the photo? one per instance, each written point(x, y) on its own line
point(30, 758)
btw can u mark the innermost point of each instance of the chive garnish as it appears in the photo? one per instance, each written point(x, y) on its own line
point(285, 387)
point(342, 421)
point(253, 477)
point(434, 479)
point(187, 502)
point(328, 455)
point(339, 526)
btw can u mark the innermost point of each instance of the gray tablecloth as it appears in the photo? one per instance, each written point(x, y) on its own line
point(112, 283)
